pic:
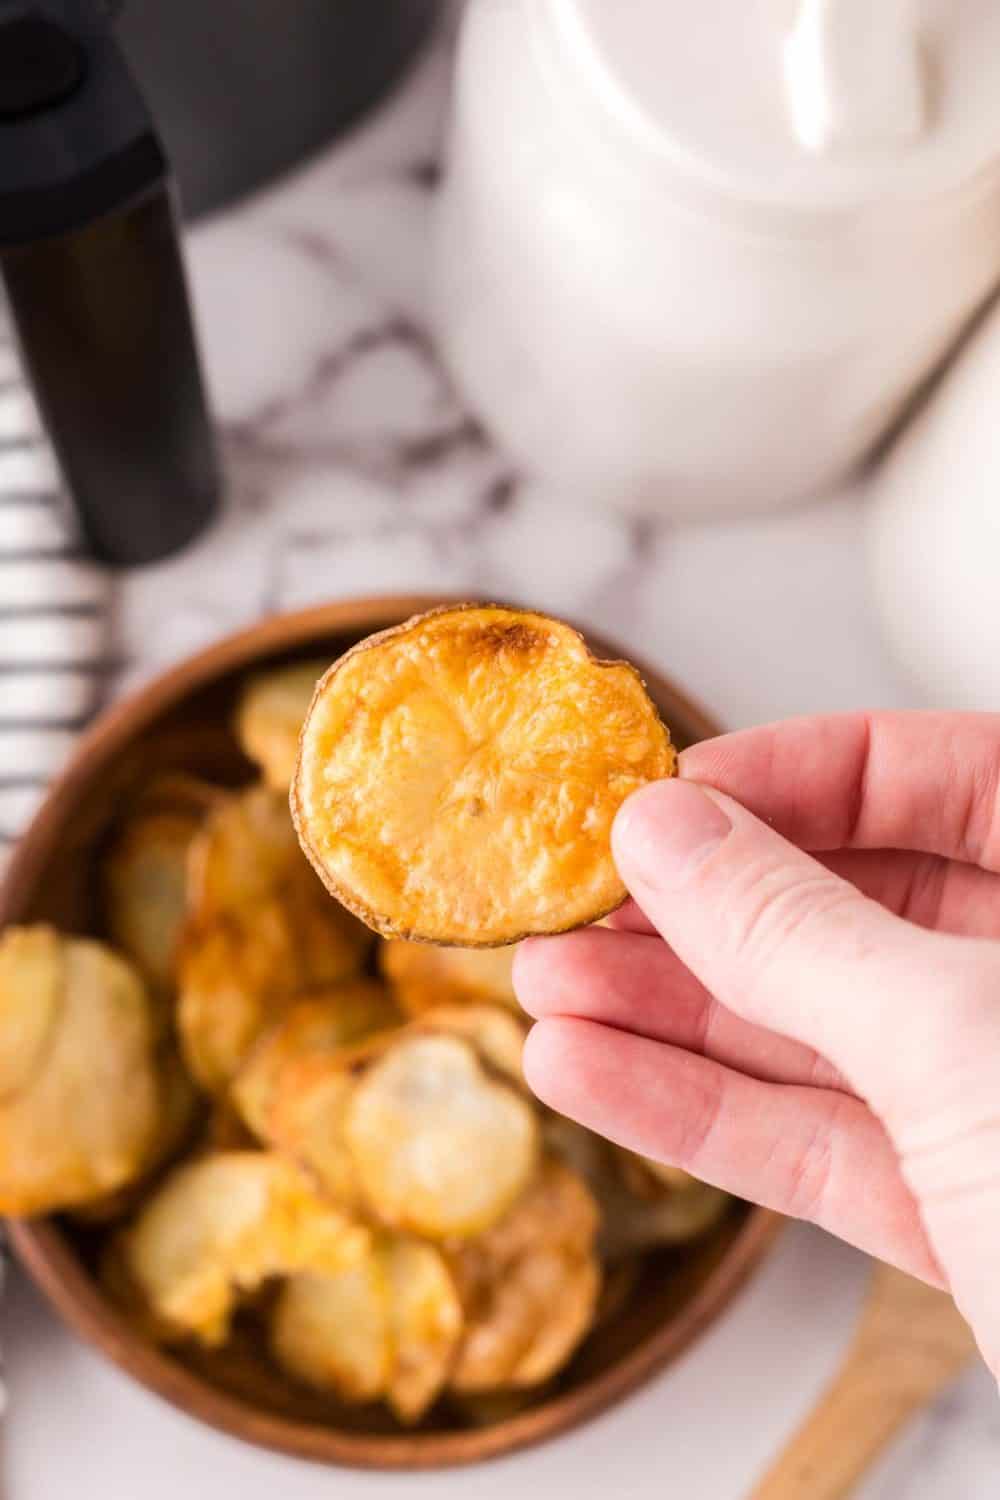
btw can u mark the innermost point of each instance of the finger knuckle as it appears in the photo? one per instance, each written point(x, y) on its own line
point(777, 909)
point(812, 1166)
point(702, 1122)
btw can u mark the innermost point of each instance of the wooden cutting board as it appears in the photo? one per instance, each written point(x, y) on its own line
point(910, 1345)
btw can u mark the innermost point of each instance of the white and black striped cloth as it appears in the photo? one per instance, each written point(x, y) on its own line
point(53, 621)
point(53, 610)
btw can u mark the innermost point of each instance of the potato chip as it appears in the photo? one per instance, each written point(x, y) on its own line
point(301, 1109)
point(31, 995)
point(459, 775)
point(261, 931)
point(589, 1155)
point(639, 1211)
point(648, 1178)
point(308, 1122)
point(225, 1130)
point(648, 1206)
point(674, 1206)
point(243, 856)
point(269, 719)
point(441, 1149)
point(497, 1036)
point(618, 1287)
point(676, 1217)
point(565, 1289)
point(221, 1225)
point(81, 1094)
point(424, 976)
point(332, 1332)
point(145, 872)
point(234, 982)
point(246, 855)
point(529, 1286)
point(488, 1408)
point(298, 1094)
point(592, 1158)
point(387, 1326)
point(557, 1208)
point(145, 880)
point(425, 1325)
point(317, 1024)
point(178, 794)
point(177, 1117)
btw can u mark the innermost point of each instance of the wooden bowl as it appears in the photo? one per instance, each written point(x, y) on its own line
point(182, 720)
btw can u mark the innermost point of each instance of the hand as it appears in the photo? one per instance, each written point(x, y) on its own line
point(818, 1032)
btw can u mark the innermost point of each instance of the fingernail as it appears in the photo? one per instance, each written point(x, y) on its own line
point(665, 831)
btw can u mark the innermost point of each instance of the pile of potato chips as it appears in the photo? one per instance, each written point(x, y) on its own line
point(269, 1113)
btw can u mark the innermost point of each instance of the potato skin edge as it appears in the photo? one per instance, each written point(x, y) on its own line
point(380, 925)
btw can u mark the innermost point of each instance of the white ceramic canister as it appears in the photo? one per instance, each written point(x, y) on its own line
point(935, 534)
point(694, 256)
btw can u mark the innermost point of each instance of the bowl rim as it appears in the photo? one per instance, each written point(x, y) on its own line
point(74, 1294)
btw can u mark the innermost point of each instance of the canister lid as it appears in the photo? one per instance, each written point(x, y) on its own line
point(800, 103)
point(40, 65)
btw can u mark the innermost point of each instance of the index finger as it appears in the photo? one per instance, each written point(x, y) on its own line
point(923, 781)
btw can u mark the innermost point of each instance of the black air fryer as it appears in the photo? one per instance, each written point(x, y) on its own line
point(98, 112)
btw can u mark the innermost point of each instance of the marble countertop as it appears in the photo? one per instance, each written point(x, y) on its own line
point(354, 469)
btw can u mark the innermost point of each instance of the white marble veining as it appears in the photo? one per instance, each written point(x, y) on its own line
point(353, 469)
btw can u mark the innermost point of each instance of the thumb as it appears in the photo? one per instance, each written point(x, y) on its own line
point(783, 942)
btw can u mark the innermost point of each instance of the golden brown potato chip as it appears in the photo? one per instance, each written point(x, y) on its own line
point(178, 794)
point(243, 856)
point(424, 976)
point(488, 1408)
point(497, 1036)
point(300, 1108)
point(529, 1286)
point(318, 1024)
point(145, 880)
point(308, 1121)
point(647, 1205)
point(647, 1178)
point(387, 1327)
point(458, 776)
point(79, 1110)
point(618, 1287)
point(221, 1225)
point(270, 716)
point(441, 1149)
point(639, 1212)
point(332, 1332)
point(297, 1092)
point(225, 1130)
point(565, 1289)
point(233, 977)
point(31, 995)
point(592, 1158)
point(557, 1208)
point(177, 1117)
point(677, 1217)
point(145, 873)
point(261, 931)
point(425, 1325)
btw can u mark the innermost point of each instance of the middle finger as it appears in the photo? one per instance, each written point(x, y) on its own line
point(636, 983)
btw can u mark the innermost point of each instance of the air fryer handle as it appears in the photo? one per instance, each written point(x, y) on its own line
point(91, 257)
point(106, 334)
